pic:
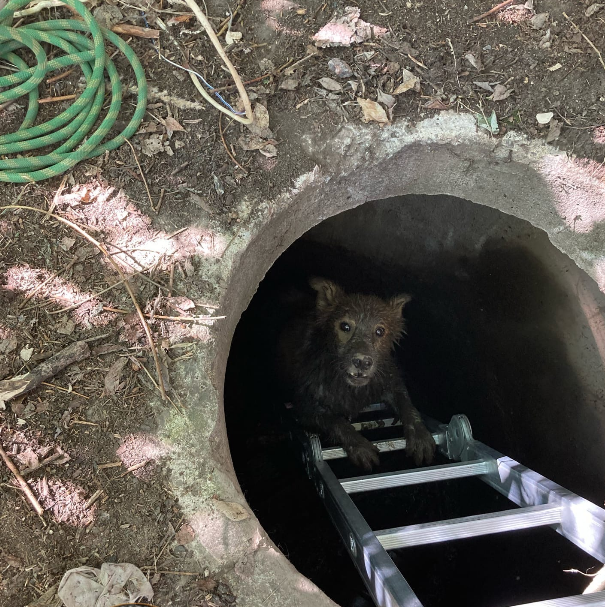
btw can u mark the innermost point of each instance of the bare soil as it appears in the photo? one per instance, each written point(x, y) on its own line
point(97, 414)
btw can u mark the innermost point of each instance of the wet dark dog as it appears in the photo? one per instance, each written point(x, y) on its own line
point(337, 359)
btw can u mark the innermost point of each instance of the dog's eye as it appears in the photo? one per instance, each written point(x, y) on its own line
point(380, 331)
point(345, 326)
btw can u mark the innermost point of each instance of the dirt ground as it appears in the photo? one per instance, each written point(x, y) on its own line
point(95, 419)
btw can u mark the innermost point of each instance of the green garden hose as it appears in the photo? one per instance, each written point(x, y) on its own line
point(80, 130)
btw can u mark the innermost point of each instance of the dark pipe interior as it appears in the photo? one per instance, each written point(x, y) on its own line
point(493, 332)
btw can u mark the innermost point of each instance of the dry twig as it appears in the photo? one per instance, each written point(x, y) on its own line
point(9, 388)
point(496, 8)
point(220, 130)
point(30, 495)
point(594, 48)
point(117, 268)
point(141, 171)
point(56, 99)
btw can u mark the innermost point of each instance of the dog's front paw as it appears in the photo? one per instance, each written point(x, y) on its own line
point(363, 454)
point(419, 444)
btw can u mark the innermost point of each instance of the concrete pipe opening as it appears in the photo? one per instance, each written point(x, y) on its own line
point(497, 331)
point(502, 245)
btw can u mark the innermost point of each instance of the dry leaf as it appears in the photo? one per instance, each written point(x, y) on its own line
point(28, 458)
point(232, 510)
point(269, 150)
point(386, 100)
point(410, 81)
point(593, 8)
point(179, 19)
point(206, 584)
point(329, 84)
point(372, 111)
point(539, 21)
point(474, 61)
point(289, 84)
point(554, 130)
point(135, 30)
point(112, 379)
point(185, 535)
point(154, 144)
point(67, 243)
point(436, 104)
point(501, 93)
point(172, 125)
point(251, 142)
point(260, 126)
point(67, 328)
point(486, 86)
point(346, 28)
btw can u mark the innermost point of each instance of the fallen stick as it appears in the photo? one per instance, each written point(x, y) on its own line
point(56, 99)
point(9, 388)
point(492, 11)
point(45, 462)
point(30, 496)
point(592, 46)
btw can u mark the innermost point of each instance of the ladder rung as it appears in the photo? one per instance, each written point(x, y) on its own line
point(415, 477)
point(469, 526)
point(596, 600)
point(376, 423)
point(384, 445)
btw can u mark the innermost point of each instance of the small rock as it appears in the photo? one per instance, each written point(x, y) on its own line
point(340, 68)
point(108, 15)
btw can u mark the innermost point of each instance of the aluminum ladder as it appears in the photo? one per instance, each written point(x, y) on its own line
point(541, 503)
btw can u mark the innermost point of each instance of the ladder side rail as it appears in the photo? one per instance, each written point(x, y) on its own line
point(582, 522)
point(384, 581)
point(595, 600)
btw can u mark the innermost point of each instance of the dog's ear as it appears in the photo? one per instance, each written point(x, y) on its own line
point(398, 301)
point(328, 292)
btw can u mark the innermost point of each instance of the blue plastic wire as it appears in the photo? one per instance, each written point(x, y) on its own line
point(207, 84)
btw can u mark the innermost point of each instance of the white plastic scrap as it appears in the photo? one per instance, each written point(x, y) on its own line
point(113, 584)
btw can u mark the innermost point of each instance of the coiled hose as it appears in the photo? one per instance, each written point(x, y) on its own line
point(79, 130)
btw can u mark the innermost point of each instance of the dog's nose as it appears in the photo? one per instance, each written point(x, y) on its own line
point(362, 362)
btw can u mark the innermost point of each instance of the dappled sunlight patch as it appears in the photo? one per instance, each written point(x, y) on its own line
point(599, 269)
point(140, 454)
point(598, 135)
point(40, 284)
point(274, 10)
point(66, 501)
point(111, 217)
point(25, 280)
point(6, 332)
point(578, 187)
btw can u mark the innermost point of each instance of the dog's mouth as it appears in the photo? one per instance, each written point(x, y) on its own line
point(357, 380)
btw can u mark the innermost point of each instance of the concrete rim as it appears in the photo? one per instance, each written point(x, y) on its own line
point(443, 155)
